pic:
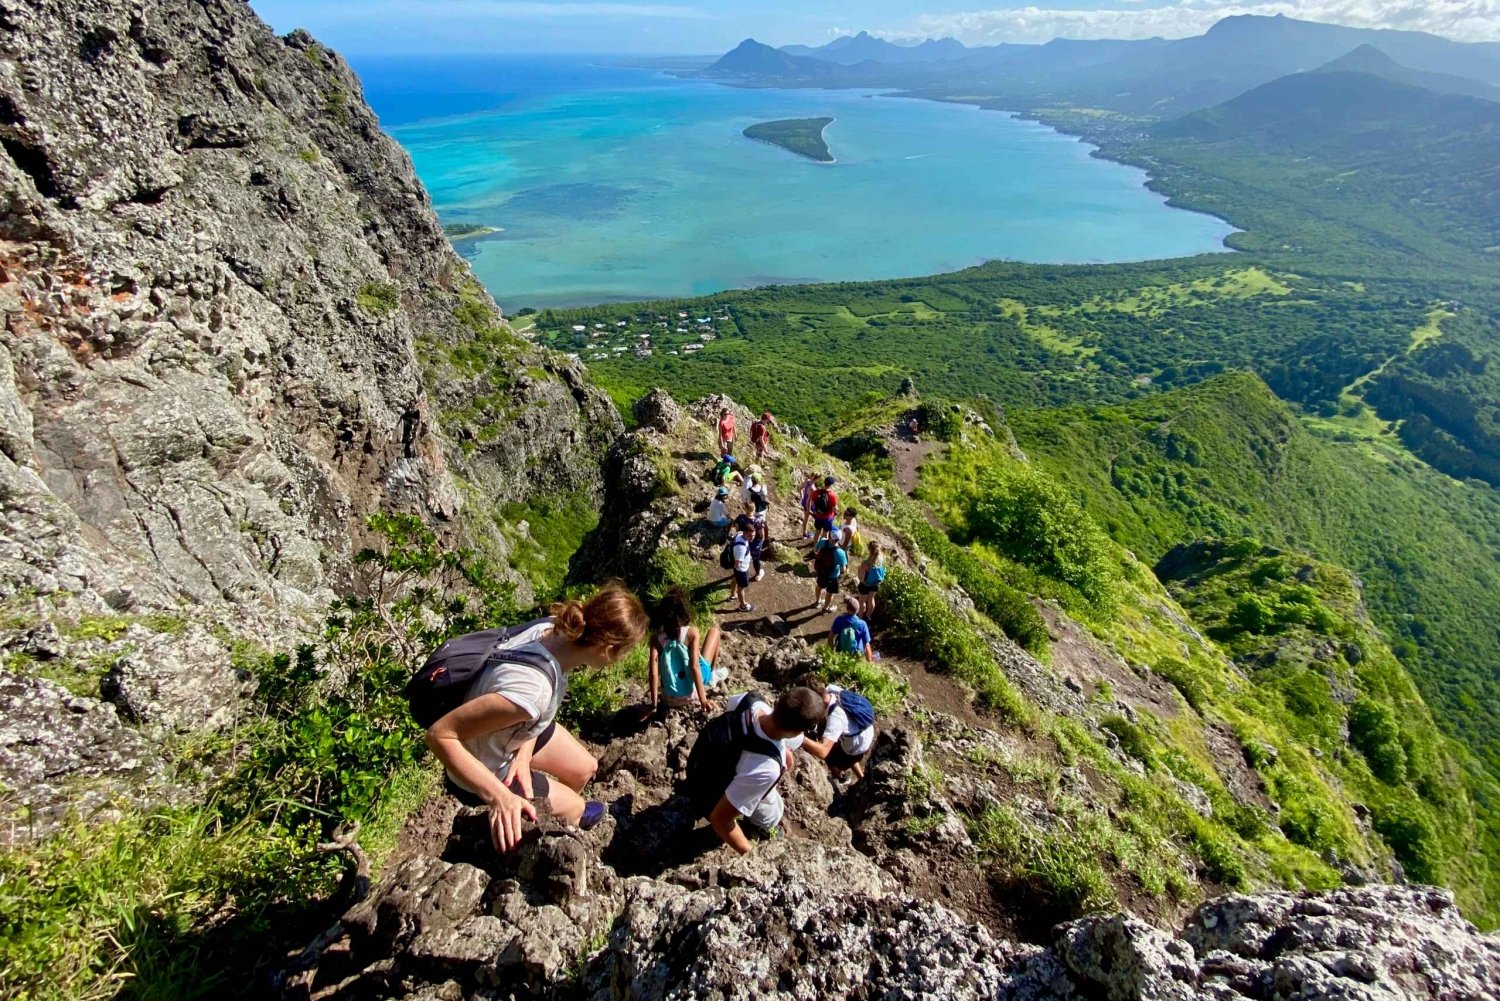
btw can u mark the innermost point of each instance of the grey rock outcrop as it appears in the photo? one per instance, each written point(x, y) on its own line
point(181, 683)
point(224, 297)
point(61, 754)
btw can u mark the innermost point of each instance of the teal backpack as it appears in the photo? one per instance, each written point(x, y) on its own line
point(676, 674)
point(847, 641)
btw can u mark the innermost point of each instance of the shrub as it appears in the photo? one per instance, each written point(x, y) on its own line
point(1374, 733)
point(948, 643)
point(1220, 861)
point(1187, 679)
point(1412, 840)
point(1006, 606)
point(1032, 519)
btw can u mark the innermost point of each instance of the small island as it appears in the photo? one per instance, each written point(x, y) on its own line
point(467, 231)
point(803, 136)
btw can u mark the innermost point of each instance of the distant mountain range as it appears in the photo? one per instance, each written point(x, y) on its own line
point(1156, 77)
point(853, 49)
point(1368, 59)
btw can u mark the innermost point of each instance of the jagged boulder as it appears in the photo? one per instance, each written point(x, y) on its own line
point(658, 411)
point(794, 920)
point(511, 924)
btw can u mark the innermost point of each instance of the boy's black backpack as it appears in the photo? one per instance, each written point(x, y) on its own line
point(716, 754)
point(726, 555)
point(439, 686)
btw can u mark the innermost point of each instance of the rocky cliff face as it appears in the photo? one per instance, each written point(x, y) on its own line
point(216, 274)
point(230, 325)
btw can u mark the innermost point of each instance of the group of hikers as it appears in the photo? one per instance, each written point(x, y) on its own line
point(489, 700)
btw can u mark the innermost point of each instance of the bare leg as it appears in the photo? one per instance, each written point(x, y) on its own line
point(566, 760)
point(711, 646)
point(564, 803)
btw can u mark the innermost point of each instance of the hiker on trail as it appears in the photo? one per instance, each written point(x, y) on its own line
point(718, 512)
point(809, 487)
point(824, 505)
point(871, 576)
point(758, 543)
point(733, 480)
point(759, 496)
point(850, 633)
point(829, 561)
point(739, 759)
point(682, 657)
point(489, 711)
point(760, 435)
point(726, 431)
point(722, 468)
point(849, 733)
point(915, 427)
point(737, 556)
point(850, 530)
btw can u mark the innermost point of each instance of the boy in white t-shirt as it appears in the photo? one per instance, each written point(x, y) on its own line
point(774, 733)
point(845, 744)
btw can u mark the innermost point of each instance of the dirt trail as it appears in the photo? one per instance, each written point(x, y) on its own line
point(907, 456)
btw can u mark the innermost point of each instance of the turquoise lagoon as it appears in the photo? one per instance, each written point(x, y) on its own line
point(613, 184)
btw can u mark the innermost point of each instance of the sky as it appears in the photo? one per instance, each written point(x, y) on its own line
point(712, 26)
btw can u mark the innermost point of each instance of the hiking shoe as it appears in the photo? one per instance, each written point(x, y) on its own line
point(745, 608)
point(593, 812)
point(759, 574)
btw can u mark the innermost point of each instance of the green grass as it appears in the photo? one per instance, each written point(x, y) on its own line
point(378, 298)
point(885, 689)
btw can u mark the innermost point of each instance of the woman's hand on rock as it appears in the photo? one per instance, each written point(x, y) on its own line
point(506, 815)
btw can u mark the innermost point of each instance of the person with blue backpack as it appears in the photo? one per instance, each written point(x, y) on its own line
point(871, 576)
point(851, 634)
point(489, 702)
point(677, 648)
point(848, 734)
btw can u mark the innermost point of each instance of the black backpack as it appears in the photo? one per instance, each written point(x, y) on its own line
point(439, 686)
point(726, 555)
point(715, 756)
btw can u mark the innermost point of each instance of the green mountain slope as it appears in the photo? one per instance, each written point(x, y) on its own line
point(1227, 457)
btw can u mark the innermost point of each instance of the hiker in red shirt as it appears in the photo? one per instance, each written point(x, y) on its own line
point(726, 431)
point(760, 435)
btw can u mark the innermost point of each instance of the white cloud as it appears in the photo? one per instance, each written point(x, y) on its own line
point(1467, 20)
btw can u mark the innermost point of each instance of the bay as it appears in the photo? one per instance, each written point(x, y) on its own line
point(608, 184)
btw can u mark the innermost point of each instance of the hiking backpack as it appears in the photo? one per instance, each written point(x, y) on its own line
point(822, 504)
point(847, 640)
point(726, 555)
point(676, 679)
point(861, 714)
point(825, 563)
point(715, 756)
point(439, 685)
point(876, 576)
